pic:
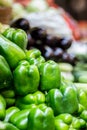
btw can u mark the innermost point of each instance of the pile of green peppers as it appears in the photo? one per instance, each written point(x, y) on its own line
point(33, 94)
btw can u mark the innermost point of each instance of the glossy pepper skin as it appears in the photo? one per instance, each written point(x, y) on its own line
point(9, 112)
point(78, 123)
point(18, 36)
point(20, 119)
point(50, 76)
point(80, 109)
point(2, 107)
point(34, 57)
point(60, 125)
point(33, 53)
point(6, 77)
point(82, 97)
point(26, 78)
point(41, 118)
point(65, 117)
point(23, 106)
point(7, 126)
point(9, 96)
point(36, 98)
point(83, 115)
point(63, 100)
point(11, 52)
point(8, 93)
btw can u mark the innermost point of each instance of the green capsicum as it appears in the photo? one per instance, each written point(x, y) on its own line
point(60, 125)
point(7, 126)
point(2, 107)
point(23, 106)
point(82, 97)
point(8, 93)
point(41, 118)
point(10, 102)
point(65, 117)
point(8, 33)
point(20, 119)
point(35, 98)
point(50, 76)
point(34, 56)
point(18, 36)
point(80, 109)
point(63, 100)
point(71, 128)
point(9, 112)
point(6, 77)
point(68, 122)
point(33, 53)
point(11, 52)
point(83, 115)
point(30, 99)
point(78, 123)
point(26, 78)
point(9, 96)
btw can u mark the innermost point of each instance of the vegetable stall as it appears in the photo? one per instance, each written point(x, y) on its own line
point(42, 86)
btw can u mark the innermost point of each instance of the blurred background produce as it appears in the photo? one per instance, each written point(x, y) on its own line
point(77, 8)
point(5, 11)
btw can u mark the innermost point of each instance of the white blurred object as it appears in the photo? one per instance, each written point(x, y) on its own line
point(78, 48)
point(37, 5)
point(52, 20)
point(18, 11)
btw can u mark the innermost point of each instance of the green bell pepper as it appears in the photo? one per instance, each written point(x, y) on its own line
point(82, 97)
point(9, 93)
point(83, 115)
point(23, 106)
point(6, 77)
point(80, 109)
point(71, 128)
point(8, 33)
point(2, 107)
point(10, 102)
point(33, 53)
point(60, 125)
point(9, 112)
point(26, 78)
point(50, 76)
point(12, 53)
point(18, 36)
point(78, 123)
point(62, 121)
point(34, 57)
point(83, 123)
point(20, 119)
point(64, 100)
point(30, 100)
point(7, 126)
point(36, 98)
point(41, 118)
point(65, 117)
point(9, 96)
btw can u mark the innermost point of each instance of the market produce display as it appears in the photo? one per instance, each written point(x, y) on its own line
point(17, 36)
point(80, 72)
point(52, 47)
point(62, 50)
point(33, 93)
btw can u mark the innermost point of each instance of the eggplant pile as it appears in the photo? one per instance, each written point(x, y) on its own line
point(51, 47)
